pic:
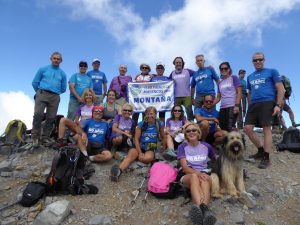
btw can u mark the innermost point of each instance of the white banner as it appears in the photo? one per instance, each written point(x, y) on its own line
point(157, 94)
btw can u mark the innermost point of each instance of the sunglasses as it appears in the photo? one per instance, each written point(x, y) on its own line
point(257, 60)
point(85, 66)
point(160, 68)
point(191, 130)
point(56, 58)
point(209, 101)
point(98, 111)
point(177, 110)
point(127, 110)
point(144, 68)
point(224, 68)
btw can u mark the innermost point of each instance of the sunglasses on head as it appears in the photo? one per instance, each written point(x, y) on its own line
point(224, 68)
point(191, 130)
point(98, 111)
point(257, 60)
point(209, 101)
point(127, 110)
point(144, 68)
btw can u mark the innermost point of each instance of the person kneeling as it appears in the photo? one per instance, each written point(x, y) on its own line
point(195, 174)
point(147, 134)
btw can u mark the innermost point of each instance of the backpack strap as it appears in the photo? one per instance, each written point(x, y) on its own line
point(7, 129)
point(75, 160)
point(21, 127)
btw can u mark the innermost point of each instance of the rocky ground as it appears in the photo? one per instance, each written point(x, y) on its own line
point(275, 200)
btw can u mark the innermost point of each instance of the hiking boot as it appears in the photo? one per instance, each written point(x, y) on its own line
point(196, 215)
point(208, 217)
point(115, 173)
point(35, 142)
point(170, 155)
point(47, 142)
point(264, 163)
point(257, 155)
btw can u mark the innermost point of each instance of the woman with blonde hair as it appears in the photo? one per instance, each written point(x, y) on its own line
point(195, 174)
point(147, 134)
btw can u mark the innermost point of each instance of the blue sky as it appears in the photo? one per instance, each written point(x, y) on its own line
point(132, 32)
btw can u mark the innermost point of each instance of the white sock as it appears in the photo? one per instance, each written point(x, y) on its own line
point(92, 158)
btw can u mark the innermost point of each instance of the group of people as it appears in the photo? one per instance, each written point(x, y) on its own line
point(104, 129)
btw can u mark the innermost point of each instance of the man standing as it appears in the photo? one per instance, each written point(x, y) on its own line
point(119, 84)
point(77, 84)
point(243, 105)
point(99, 80)
point(203, 79)
point(182, 77)
point(265, 98)
point(48, 83)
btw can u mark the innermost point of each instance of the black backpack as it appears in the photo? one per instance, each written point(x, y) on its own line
point(290, 141)
point(33, 192)
point(287, 86)
point(66, 175)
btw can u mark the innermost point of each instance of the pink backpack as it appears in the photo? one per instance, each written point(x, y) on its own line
point(162, 180)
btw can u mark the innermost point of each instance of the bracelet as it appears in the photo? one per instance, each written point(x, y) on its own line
point(278, 105)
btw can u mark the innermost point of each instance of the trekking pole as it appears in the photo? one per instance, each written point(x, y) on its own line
point(138, 192)
point(145, 198)
point(9, 205)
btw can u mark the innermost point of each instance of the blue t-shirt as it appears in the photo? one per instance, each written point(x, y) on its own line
point(81, 82)
point(212, 114)
point(150, 135)
point(96, 131)
point(261, 84)
point(203, 79)
point(159, 78)
point(244, 87)
point(99, 79)
point(50, 78)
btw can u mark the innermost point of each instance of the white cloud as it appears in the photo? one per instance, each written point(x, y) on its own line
point(198, 27)
point(15, 105)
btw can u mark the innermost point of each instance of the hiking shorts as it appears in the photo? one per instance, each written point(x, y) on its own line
point(227, 118)
point(286, 107)
point(94, 148)
point(260, 114)
point(181, 174)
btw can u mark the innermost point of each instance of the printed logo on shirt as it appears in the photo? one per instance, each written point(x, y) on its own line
point(179, 76)
point(201, 78)
point(197, 158)
point(96, 131)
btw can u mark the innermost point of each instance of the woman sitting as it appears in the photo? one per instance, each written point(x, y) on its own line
point(147, 134)
point(111, 108)
point(174, 131)
point(122, 130)
point(195, 174)
point(85, 111)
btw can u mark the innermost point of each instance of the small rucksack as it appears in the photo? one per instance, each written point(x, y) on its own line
point(162, 181)
point(290, 141)
point(33, 192)
point(287, 86)
point(66, 175)
point(14, 133)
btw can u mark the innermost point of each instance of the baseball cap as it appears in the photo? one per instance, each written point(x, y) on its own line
point(242, 71)
point(83, 63)
point(96, 60)
point(160, 64)
point(98, 107)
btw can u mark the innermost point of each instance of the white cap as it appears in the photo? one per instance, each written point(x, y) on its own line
point(96, 60)
point(160, 64)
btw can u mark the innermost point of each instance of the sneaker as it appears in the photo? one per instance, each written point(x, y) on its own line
point(170, 154)
point(264, 163)
point(115, 173)
point(208, 217)
point(196, 215)
point(35, 143)
point(47, 142)
point(257, 155)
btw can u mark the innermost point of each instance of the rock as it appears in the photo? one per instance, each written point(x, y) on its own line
point(236, 217)
point(54, 214)
point(5, 150)
point(6, 174)
point(186, 214)
point(46, 172)
point(100, 220)
point(5, 166)
point(250, 160)
point(23, 213)
point(247, 199)
point(9, 221)
point(21, 174)
point(254, 191)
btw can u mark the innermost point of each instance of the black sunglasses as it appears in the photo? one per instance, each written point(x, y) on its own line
point(191, 130)
point(127, 110)
point(160, 68)
point(209, 101)
point(144, 68)
point(85, 66)
point(177, 110)
point(224, 68)
point(257, 60)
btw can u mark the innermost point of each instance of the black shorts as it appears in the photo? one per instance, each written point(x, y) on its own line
point(181, 174)
point(94, 148)
point(210, 139)
point(260, 114)
point(227, 119)
point(286, 107)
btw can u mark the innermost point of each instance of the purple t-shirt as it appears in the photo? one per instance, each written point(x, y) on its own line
point(84, 112)
point(174, 125)
point(123, 124)
point(227, 88)
point(196, 156)
point(182, 82)
point(115, 85)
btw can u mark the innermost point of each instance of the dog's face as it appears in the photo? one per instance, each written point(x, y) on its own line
point(234, 145)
